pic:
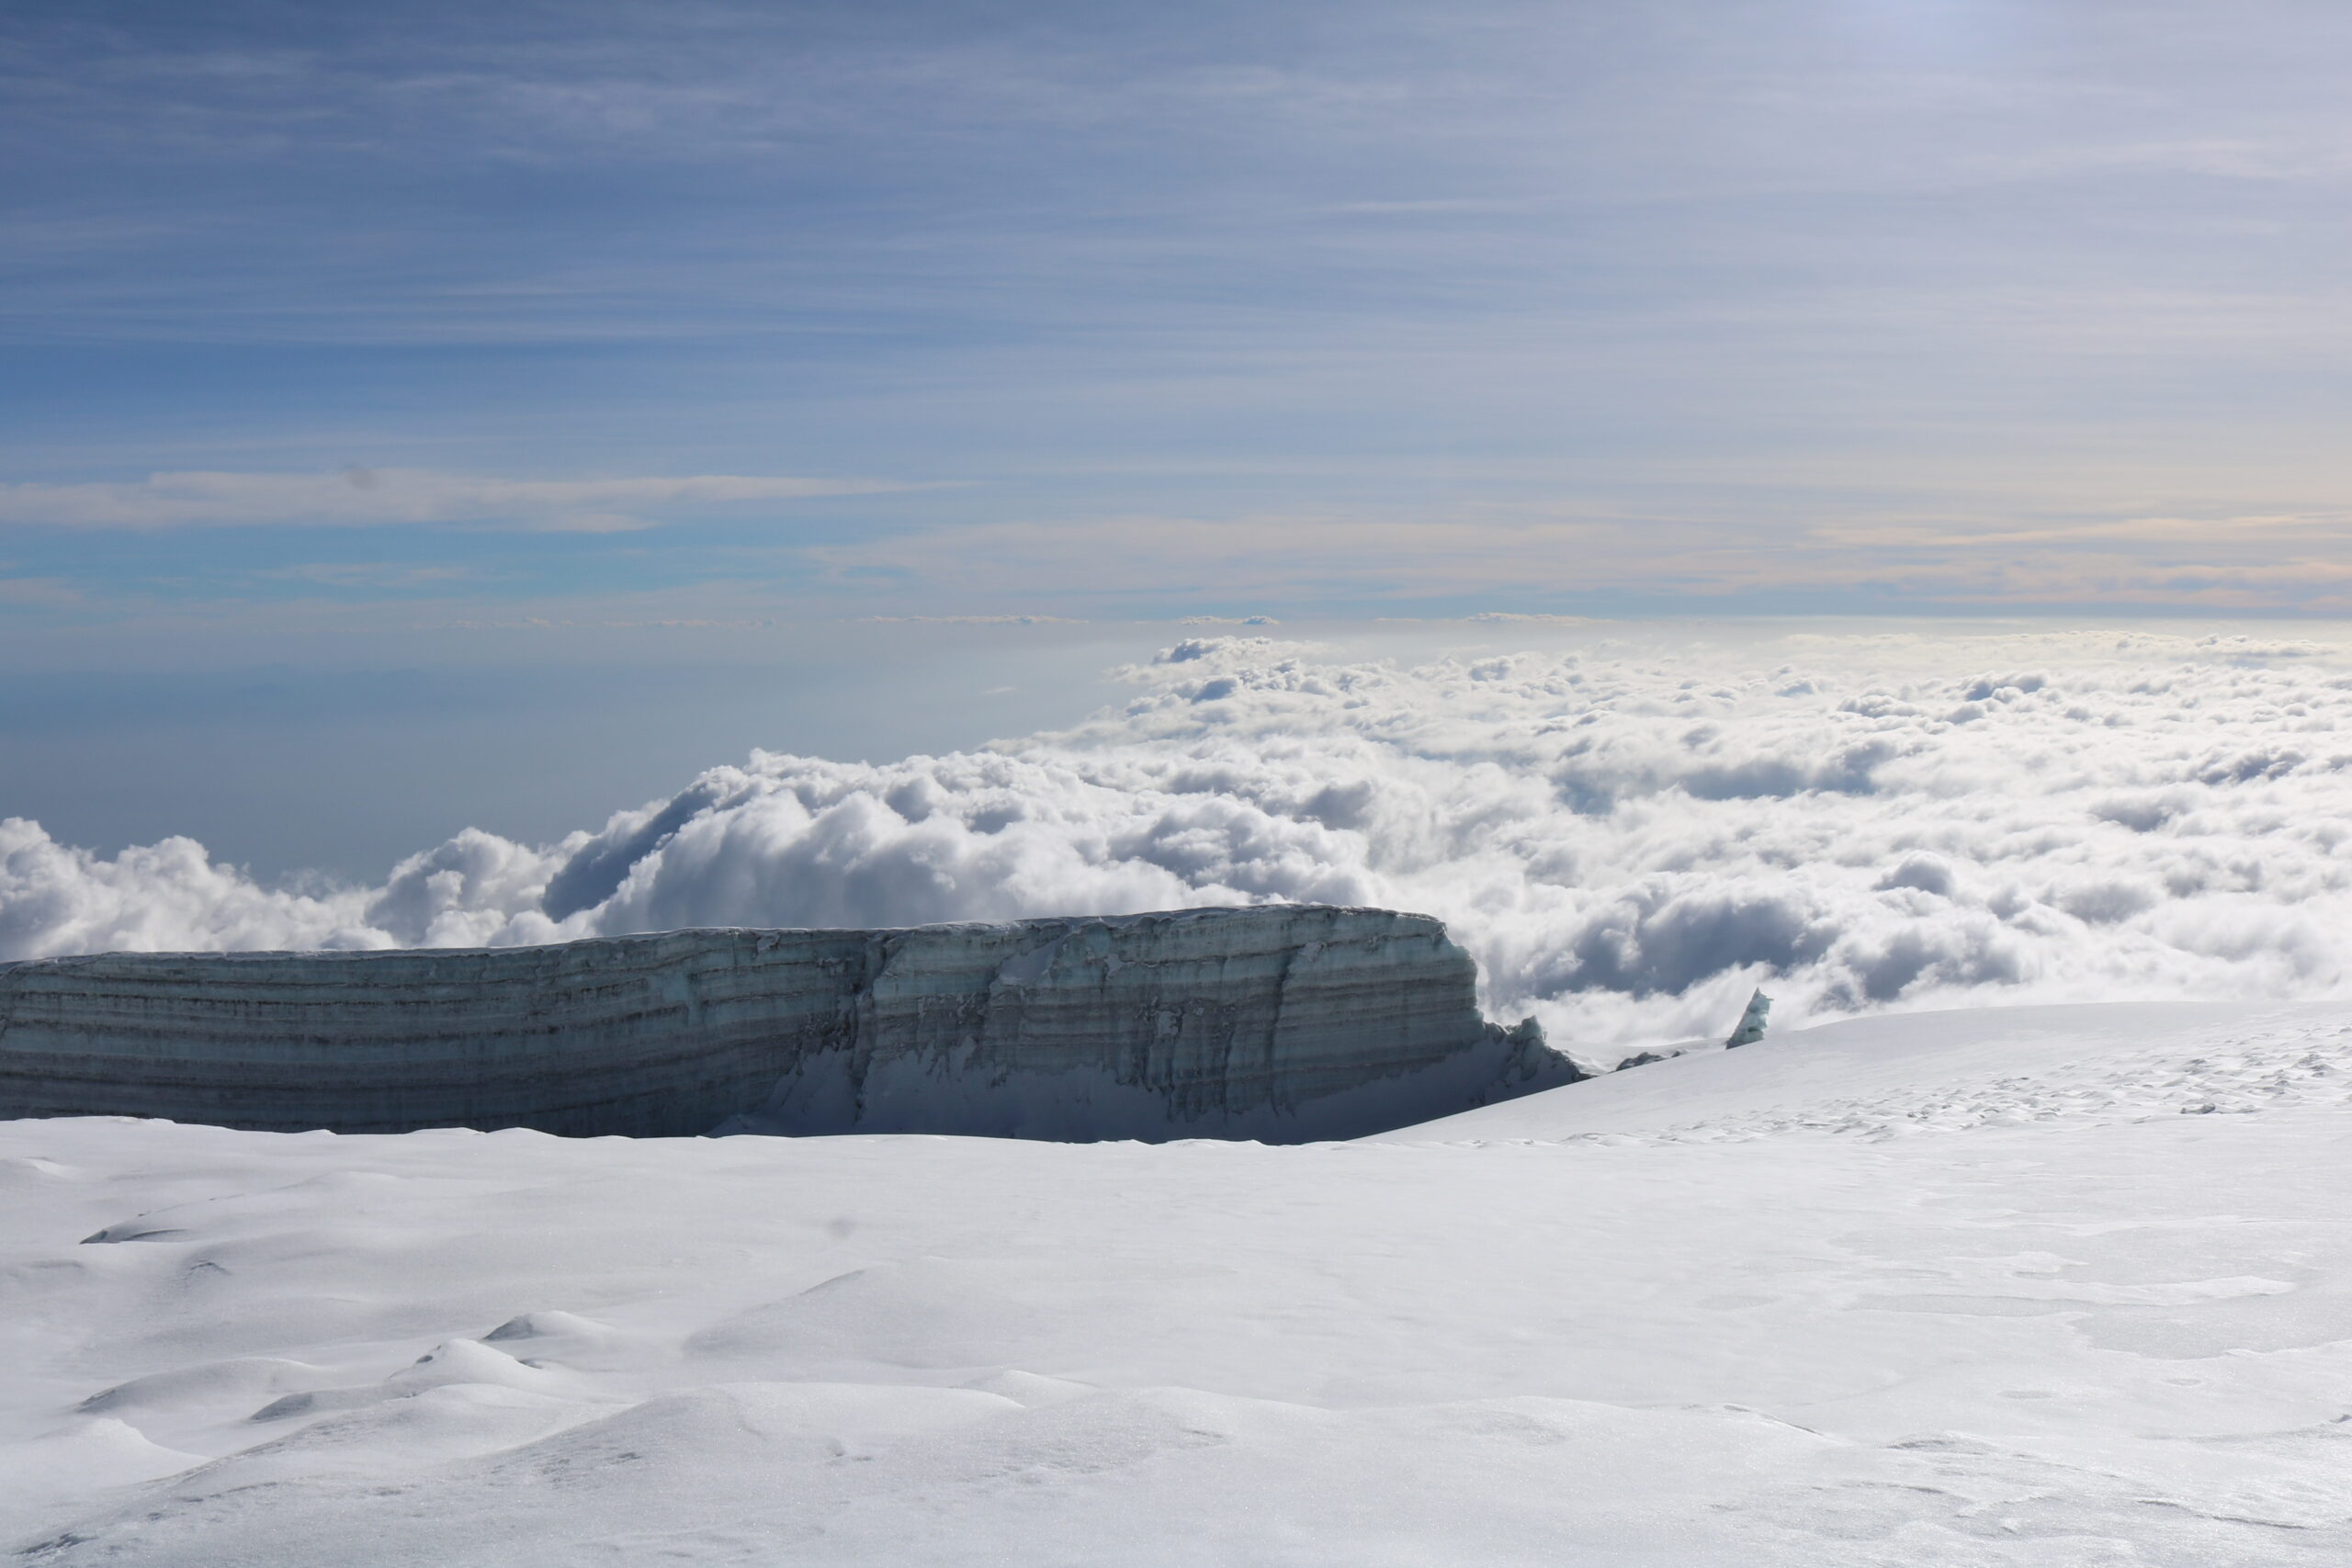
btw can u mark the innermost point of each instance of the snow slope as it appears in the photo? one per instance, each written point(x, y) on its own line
point(2054, 1286)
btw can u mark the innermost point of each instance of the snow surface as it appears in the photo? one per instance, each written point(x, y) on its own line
point(2048, 1286)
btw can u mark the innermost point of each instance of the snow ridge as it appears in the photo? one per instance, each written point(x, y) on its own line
point(2237, 1077)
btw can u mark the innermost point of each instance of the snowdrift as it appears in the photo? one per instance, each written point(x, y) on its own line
point(2059, 1288)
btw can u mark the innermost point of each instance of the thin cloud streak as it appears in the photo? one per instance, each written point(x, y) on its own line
point(2301, 564)
point(360, 497)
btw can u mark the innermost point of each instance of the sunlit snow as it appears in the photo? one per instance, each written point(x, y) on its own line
point(2047, 1286)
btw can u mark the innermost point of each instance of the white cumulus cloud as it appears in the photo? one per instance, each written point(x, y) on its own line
point(1626, 837)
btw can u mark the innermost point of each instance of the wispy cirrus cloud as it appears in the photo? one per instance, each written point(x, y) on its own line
point(370, 574)
point(364, 497)
point(2262, 563)
point(1808, 305)
point(38, 592)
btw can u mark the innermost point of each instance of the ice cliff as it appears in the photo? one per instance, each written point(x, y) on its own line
point(1283, 1023)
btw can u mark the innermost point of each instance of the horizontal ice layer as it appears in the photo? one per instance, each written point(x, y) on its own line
point(1283, 1023)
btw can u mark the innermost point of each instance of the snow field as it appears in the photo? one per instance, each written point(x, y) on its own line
point(1964, 1288)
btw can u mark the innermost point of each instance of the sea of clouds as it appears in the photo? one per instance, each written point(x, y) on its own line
point(1628, 833)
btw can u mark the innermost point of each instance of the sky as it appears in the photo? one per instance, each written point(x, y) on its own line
point(419, 417)
point(331, 320)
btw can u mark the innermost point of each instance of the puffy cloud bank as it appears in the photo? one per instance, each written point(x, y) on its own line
point(1628, 836)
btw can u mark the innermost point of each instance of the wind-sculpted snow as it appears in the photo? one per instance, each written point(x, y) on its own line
point(1985, 1289)
point(1629, 836)
point(1279, 1023)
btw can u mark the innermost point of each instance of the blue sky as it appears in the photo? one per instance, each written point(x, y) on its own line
point(343, 319)
point(415, 415)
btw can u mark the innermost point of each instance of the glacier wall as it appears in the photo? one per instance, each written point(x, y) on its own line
point(1284, 1023)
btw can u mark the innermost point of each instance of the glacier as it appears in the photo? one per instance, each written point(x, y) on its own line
point(1282, 1023)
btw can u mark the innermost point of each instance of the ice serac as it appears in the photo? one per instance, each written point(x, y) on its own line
point(1285, 1023)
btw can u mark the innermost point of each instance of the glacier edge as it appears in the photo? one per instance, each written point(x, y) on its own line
point(1285, 1023)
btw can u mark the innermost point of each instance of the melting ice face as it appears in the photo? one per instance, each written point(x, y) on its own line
point(1628, 838)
